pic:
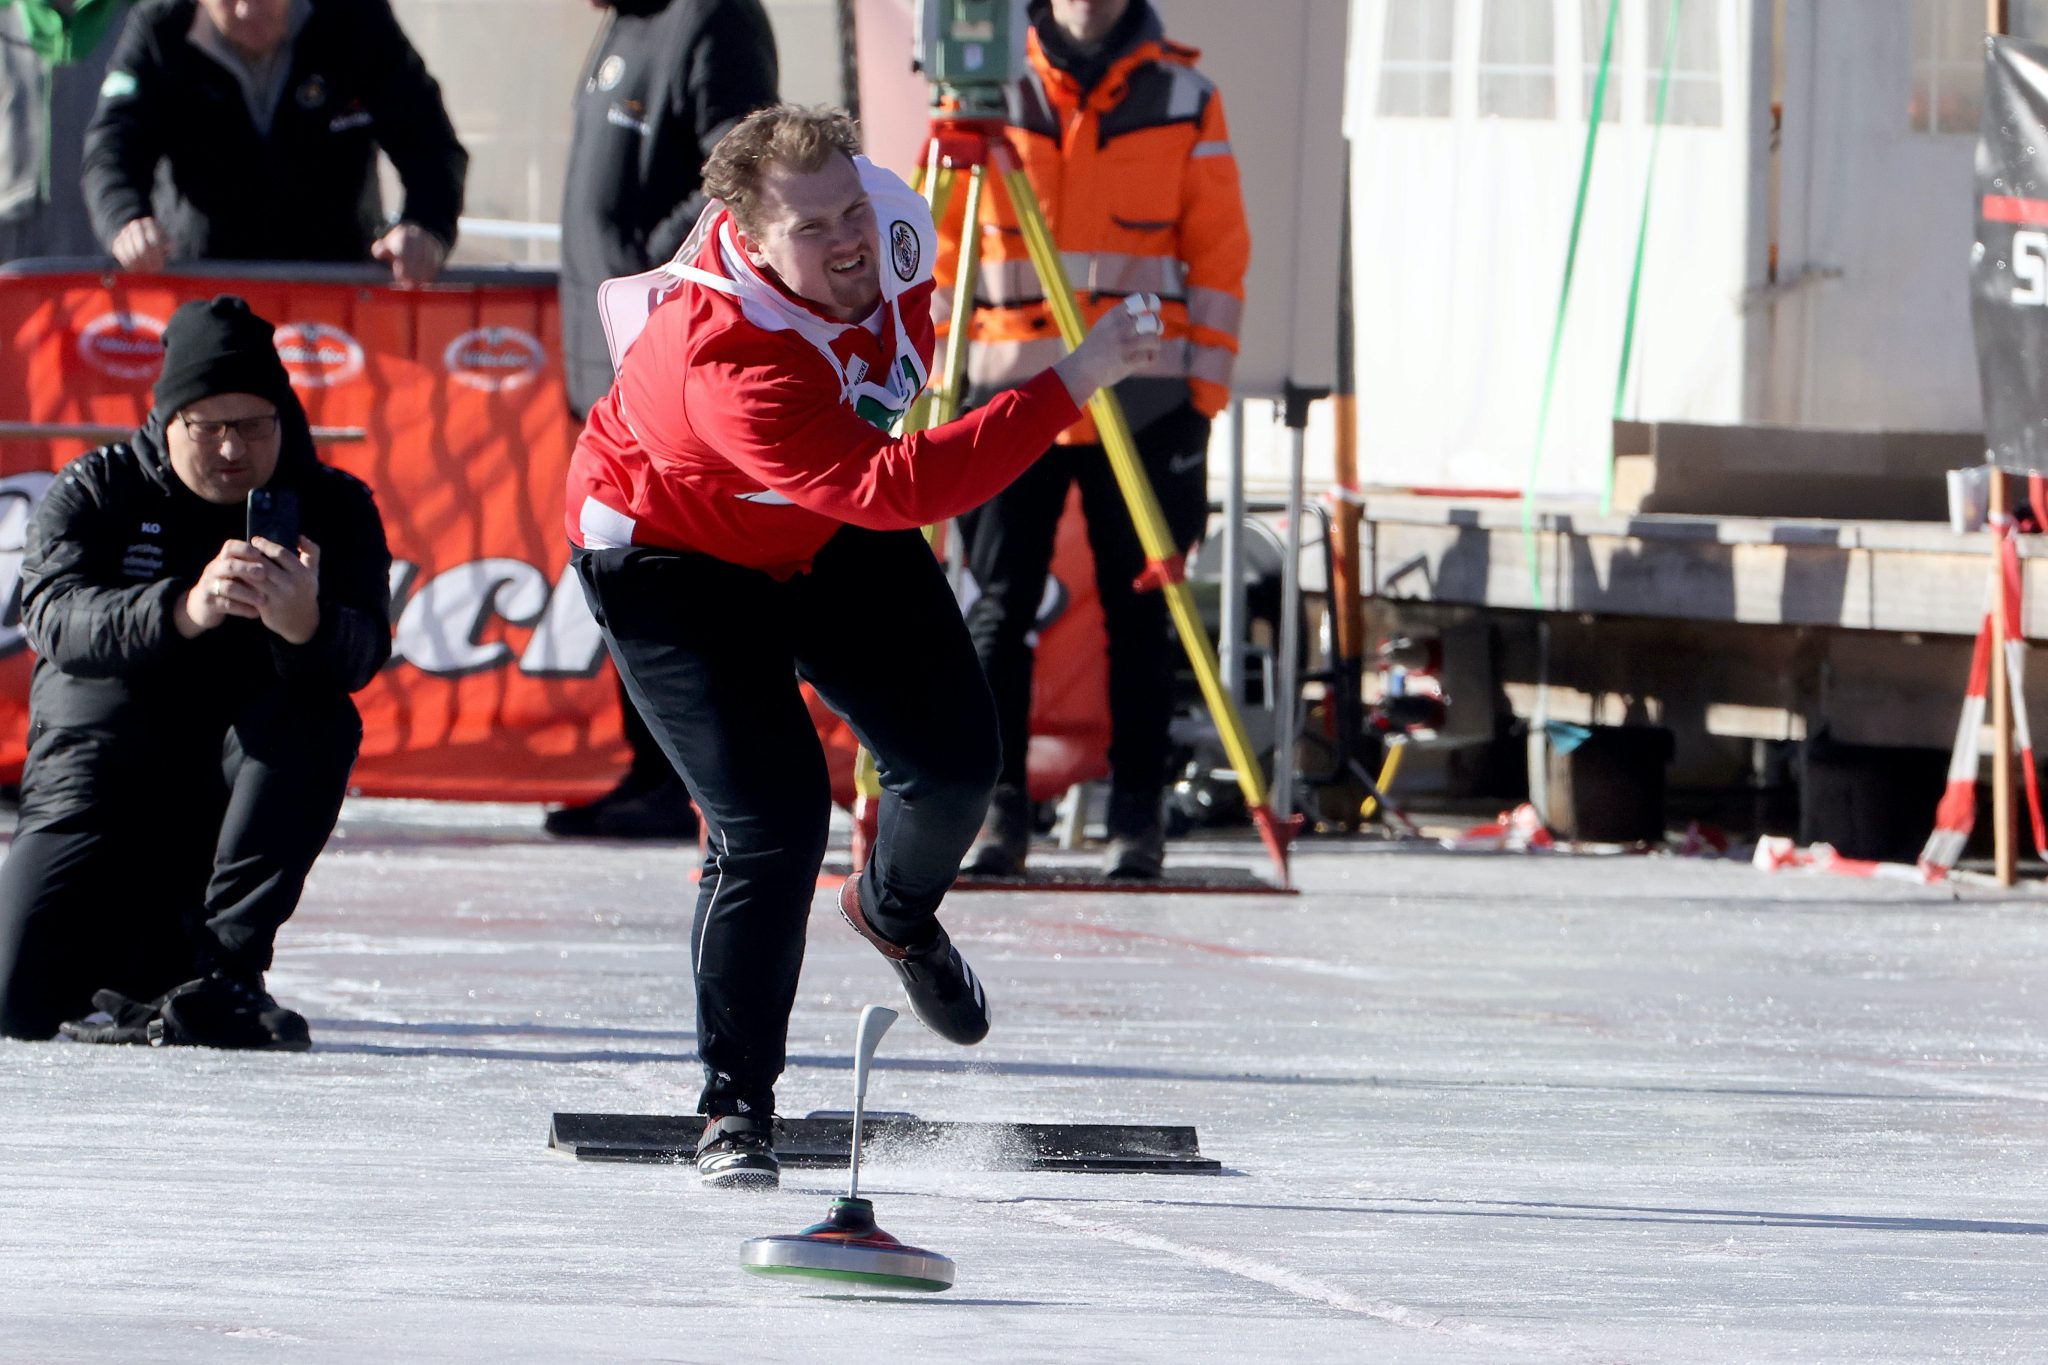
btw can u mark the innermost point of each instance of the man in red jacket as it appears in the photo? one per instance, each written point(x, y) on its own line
point(743, 519)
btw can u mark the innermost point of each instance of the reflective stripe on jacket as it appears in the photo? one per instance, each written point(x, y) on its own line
point(1140, 187)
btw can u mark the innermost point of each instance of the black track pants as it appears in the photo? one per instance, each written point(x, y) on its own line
point(711, 654)
point(141, 861)
point(1009, 551)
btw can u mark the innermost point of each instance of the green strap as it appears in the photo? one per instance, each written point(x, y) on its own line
point(1564, 298)
point(1635, 281)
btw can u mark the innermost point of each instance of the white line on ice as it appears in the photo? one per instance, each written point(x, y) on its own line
point(1287, 1281)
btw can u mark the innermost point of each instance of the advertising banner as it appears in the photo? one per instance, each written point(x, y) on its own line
point(2009, 264)
point(499, 686)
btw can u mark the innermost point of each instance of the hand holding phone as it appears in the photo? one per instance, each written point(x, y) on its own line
point(274, 515)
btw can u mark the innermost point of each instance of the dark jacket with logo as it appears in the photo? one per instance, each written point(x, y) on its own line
point(308, 190)
point(117, 536)
point(665, 80)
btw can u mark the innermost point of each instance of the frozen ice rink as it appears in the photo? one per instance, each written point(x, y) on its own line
point(1484, 1108)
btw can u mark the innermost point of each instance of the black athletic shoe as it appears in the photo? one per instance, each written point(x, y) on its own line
point(944, 991)
point(737, 1153)
point(662, 812)
point(222, 1010)
point(115, 1019)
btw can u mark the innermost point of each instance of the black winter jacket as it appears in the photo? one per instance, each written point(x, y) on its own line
point(665, 80)
point(117, 536)
point(308, 191)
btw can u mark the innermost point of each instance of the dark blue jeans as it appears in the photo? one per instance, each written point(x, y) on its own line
point(711, 654)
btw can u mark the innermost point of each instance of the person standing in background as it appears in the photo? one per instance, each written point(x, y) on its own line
point(267, 116)
point(664, 82)
point(53, 56)
point(1126, 147)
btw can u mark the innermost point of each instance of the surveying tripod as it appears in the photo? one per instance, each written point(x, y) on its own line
point(971, 140)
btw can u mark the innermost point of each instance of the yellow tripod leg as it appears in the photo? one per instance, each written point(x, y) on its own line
point(1153, 535)
point(928, 411)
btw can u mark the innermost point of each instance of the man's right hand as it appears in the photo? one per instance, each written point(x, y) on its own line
point(1123, 341)
point(228, 586)
point(142, 245)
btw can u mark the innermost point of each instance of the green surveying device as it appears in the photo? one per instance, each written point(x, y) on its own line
point(972, 51)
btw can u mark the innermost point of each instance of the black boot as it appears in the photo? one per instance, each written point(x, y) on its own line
point(629, 811)
point(1137, 835)
point(115, 1018)
point(225, 1010)
point(1005, 839)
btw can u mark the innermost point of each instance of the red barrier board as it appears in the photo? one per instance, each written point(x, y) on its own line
point(499, 688)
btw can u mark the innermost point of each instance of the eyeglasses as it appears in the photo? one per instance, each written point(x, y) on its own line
point(246, 429)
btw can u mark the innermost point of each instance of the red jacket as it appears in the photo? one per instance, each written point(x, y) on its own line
point(746, 425)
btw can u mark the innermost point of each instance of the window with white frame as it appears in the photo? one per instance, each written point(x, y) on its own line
point(1517, 60)
point(1415, 59)
point(1695, 62)
point(1592, 33)
point(1948, 66)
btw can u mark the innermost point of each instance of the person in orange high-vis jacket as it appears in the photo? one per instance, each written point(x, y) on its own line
point(1126, 146)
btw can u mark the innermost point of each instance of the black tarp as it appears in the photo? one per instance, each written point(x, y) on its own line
point(2009, 264)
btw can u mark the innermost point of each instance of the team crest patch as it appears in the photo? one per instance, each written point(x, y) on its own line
point(312, 94)
point(611, 72)
point(904, 251)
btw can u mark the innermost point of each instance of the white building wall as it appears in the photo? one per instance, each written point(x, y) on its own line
point(1870, 324)
point(1459, 235)
point(508, 69)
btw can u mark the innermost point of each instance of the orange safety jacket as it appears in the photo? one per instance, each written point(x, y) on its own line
point(1141, 191)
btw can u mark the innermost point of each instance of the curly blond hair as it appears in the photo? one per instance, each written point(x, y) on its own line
point(791, 136)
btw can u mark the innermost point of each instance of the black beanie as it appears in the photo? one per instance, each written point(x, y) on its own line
point(218, 346)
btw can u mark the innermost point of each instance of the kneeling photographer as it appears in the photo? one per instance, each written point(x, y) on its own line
point(202, 598)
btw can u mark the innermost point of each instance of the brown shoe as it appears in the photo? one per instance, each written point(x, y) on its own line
point(850, 911)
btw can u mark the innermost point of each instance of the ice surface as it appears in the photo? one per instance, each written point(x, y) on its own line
point(1478, 1108)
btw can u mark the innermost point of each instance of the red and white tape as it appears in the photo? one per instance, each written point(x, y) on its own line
point(1957, 814)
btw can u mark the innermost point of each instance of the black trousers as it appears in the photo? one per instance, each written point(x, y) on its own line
point(143, 860)
point(711, 654)
point(1009, 552)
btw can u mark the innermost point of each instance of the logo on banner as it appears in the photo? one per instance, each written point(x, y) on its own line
point(493, 358)
point(124, 345)
point(318, 356)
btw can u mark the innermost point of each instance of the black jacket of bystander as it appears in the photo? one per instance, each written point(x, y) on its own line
point(117, 536)
point(306, 190)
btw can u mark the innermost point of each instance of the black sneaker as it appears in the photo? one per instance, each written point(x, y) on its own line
point(1137, 836)
point(115, 1019)
point(223, 1010)
point(1004, 842)
point(944, 991)
point(737, 1153)
point(662, 812)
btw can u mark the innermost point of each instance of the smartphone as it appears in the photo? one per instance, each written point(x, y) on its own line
point(274, 515)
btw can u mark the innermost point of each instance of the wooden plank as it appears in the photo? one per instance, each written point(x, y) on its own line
point(1878, 577)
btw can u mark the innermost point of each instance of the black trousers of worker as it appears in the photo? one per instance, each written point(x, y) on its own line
point(711, 653)
point(143, 860)
point(1009, 552)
